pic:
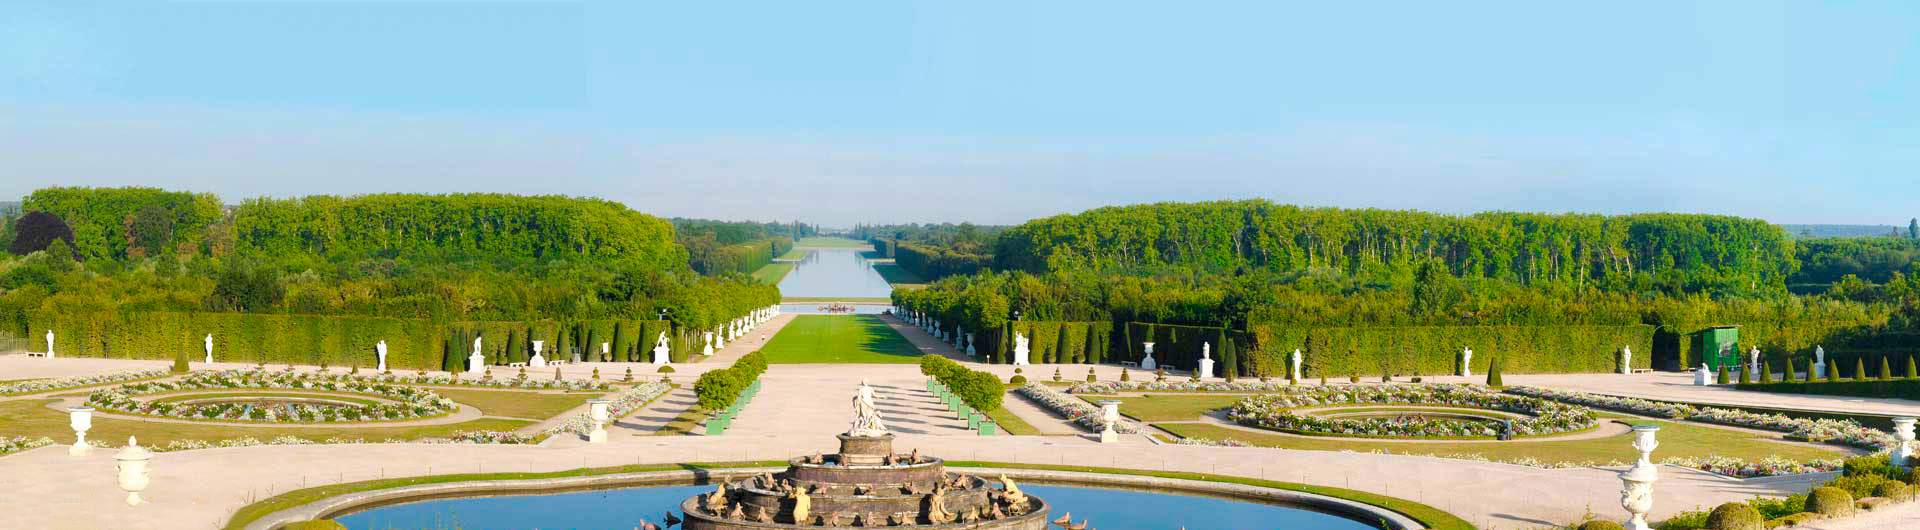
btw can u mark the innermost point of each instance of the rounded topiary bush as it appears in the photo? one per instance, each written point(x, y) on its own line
point(665, 369)
point(1598, 524)
point(317, 524)
point(1893, 489)
point(1830, 502)
point(1017, 380)
point(1734, 516)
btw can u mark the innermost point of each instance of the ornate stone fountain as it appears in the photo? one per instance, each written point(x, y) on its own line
point(866, 484)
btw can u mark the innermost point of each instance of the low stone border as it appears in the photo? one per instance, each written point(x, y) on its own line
point(334, 506)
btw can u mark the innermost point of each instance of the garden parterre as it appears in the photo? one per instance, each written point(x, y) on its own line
point(408, 402)
point(1085, 415)
point(45, 385)
point(623, 403)
point(1276, 411)
point(1842, 432)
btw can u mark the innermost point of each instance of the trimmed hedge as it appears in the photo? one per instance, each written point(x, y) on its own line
point(1734, 516)
point(1371, 351)
point(981, 390)
point(935, 263)
point(246, 337)
point(718, 389)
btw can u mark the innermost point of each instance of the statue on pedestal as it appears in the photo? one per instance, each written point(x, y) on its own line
point(1293, 368)
point(209, 342)
point(866, 414)
point(661, 349)
point(380, 349)
point(1020, 352)
point(1206, 361)
point(1466, 362)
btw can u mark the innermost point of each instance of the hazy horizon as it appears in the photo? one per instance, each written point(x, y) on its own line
point(991, 112)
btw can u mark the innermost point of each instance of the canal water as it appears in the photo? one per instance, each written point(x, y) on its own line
point(834, 273)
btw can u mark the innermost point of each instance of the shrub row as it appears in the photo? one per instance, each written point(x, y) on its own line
point(1903, 388)
point(349, 340)
point(1344, 351)
point(718, 389)
point(934, 263)
point(981, 390)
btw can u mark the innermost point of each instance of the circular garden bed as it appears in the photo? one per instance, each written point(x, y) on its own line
point(252, 395)
point(1409, 411)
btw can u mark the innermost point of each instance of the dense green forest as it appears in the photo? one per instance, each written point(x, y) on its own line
point(934, 251)
point(720, 247)
point(440, 258)
point(1284, 273)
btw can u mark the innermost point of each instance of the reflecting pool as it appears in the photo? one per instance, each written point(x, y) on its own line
point(1109, 509)
point(835, 273)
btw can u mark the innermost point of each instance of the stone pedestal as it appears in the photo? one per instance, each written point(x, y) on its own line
point(1110, 413)
point(1636, 494)
point(476, 364)
point(1903, 452)
point(1703, 376)
point(865, 450)
point(1205, 370)
point(81, 419)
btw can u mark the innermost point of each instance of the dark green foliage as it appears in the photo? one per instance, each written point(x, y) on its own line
point(935, 262)
point(1830, 502)
point(107, 222)
point(1734, 516)
point(246, 286)
point(1600, 524)
point(1893, 489)
point(1494, 369)
point(1875, 388)
point(278, 339)
point(36, 230)
point(1858, 486)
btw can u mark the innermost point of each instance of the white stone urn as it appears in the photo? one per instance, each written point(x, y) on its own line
point(1109, 415)
point(1636, 494)
point(132, 468)
point(537, 361)
point(1902, 454)
point(81, 419)
point(597, 411)
point(1146, 363)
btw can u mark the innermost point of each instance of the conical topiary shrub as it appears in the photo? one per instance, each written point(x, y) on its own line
point(1766, 373)
point(1886, 372)
point(1833, 373)
point(180, 363)
point(1911, 373)
point(1859, 369)
point(1725, 376)
point(1746, 376)
point(1494, 369)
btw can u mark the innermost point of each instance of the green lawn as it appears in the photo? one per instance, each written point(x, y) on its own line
point(796, 254)
point(529, 405)
point(1676, 439)
point(832, 242)
point(772, 273)
point(839, 339)
point(1152, 407)
point(31, 418)
point(899, 277)
point(1012, 424)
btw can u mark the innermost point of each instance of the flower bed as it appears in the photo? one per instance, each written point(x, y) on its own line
point(1276, 411)
point(1621, 404)
point(1109, 387)
point(408, 402)
point(1082, 413)
point(528, 383)
point(623, 403)
point(21, 443)
point(44, 385)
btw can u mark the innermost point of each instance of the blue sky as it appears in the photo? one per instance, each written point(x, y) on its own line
point(876, 111)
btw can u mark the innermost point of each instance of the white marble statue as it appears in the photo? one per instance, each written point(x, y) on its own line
point(1626, 360)
point(537, 361)
point(1206, 361)
point(1146, 363)
point(661, 349)
point(49, 344)
point(1020, 352)
point(1753, 363)
point(606, 350)
point(476, 363)
point(1819, 362)
point(1703, 376)
point(1293, 366)
point(866, 414)
point(1466, 362)
point(209, 342)
point(380, 348)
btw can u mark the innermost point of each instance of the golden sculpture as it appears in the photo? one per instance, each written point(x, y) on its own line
point(1013, 494)
point(801, 505)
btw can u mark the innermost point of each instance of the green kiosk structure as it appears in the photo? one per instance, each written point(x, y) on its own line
point(1719, 347)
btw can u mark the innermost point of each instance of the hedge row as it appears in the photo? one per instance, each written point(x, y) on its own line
point(1059, 342)
point(1434, 350)
point(349, 340)
point(1782, 340)
point(981, 390)
point(1902, 388)
point(935, 263)
point(718, 389)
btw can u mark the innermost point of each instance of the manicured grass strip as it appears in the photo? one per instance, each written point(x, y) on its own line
point(849, 299)
point(1432, 517)
point(772, 273)
point(1676, 439)
point(796, 254)
point(839, 339)
point(1012, 424)
point(530, 405)
point(899, 277)
point(31, 418)
point(1152, 408)
point(832, 242)
point(253, 512)
point(686, 422)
